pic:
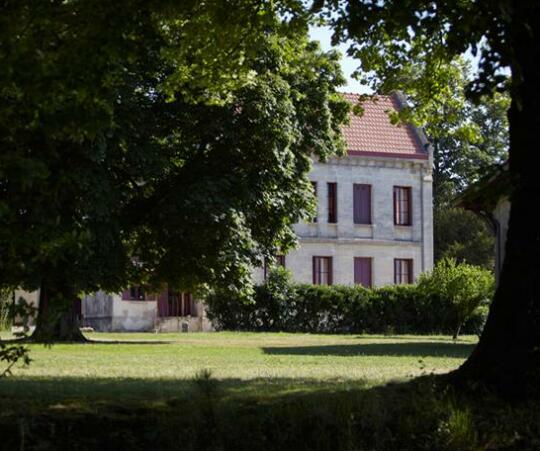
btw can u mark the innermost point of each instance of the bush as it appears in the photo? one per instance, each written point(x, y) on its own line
point(463, 289)
point(437, 305)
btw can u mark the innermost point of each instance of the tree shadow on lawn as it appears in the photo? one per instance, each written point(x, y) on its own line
point(409, 349)
point(423, 414)
point(43, 391)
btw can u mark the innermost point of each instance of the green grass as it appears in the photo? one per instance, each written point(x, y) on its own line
point(247, 391)
point(160, 366)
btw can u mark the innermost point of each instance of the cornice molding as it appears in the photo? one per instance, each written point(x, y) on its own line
point(379, 162)
point(357, 241)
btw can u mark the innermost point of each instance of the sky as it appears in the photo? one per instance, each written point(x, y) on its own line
point(348, 64)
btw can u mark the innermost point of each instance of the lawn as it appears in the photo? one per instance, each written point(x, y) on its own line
point(151, 366)
point(255, 391)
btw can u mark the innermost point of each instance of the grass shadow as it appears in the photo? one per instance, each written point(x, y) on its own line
point(424, 414)
point(410, 349)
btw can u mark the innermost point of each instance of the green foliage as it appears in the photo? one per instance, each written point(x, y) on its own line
point(464, 236)
point(180, 133)
point(5, 300)
point(464, 287)
point(387, 37)
point(12, 353)
point(280, 305)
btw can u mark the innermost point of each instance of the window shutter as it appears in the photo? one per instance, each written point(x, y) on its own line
point(395, 205)
point(314, 187)
point(362, 271)
point(362, 204)
point(330, 271)
point(332, 203)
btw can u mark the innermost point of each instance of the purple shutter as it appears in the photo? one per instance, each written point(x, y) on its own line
point(396, 205)
point(332, 203)
point(330, 271)
point(163, 303)
point(314, 186)
point(362, 271)
point(362, 204)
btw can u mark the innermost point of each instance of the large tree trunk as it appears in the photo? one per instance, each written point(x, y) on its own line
point(58, 316)
point(507, 357)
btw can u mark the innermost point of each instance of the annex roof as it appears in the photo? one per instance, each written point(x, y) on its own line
point(373, 134)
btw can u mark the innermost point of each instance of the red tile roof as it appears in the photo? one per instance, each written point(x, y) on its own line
point(373, 134)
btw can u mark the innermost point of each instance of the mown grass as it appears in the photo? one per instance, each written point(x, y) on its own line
point(247, 391)
point(158, 366)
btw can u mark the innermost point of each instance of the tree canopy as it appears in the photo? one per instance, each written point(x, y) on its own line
point(169, 144)
point(504, 34)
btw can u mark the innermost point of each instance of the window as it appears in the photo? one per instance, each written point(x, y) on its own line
point(362, 204)
point(332, 203)
point(314, 187)
point(402, 205)
point(174, 303)
point(362, 271)
point(403, 271)
point(135, 293)
point(322, 270)
point(280, 261)
point(188, 306)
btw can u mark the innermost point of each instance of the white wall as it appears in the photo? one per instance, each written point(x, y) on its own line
point(133, 315)
point(382, 241)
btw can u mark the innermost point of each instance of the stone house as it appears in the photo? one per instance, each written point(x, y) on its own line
point(374, 223)
point(374, 226)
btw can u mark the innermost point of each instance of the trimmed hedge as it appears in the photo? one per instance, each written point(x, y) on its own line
point(280, 305)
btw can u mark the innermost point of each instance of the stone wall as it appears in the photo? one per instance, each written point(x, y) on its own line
point(382, 240)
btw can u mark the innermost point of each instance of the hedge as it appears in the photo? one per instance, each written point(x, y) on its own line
point(280, 305)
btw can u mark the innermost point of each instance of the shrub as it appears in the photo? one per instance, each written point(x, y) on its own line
point(13, 353)
point(462, 288)
point(281, 305)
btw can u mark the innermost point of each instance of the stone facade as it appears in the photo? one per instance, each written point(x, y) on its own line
point(107, 312)
point(382, 241)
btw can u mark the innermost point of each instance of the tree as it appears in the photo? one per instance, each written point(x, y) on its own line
point(468, 139)
point(460, 234)
point(170, 144)
point(464, 286)
point(504, 34)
